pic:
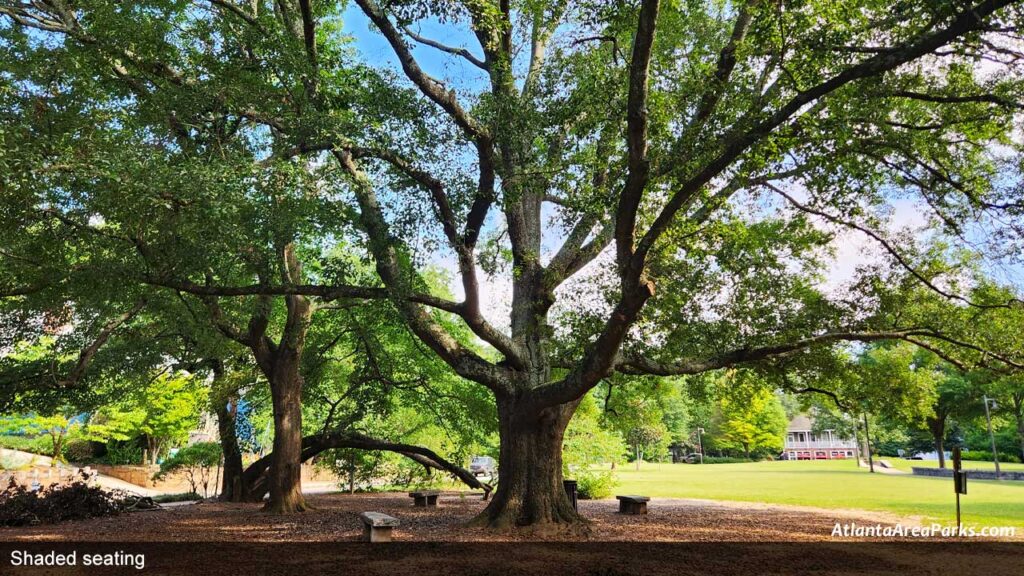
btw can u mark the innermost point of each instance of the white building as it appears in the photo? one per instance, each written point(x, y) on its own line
point(803, 444)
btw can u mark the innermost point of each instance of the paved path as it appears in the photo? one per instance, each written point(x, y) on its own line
point(19, 458)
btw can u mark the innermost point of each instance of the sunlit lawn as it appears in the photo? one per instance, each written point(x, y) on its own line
point(901, 464)
point(829, 484)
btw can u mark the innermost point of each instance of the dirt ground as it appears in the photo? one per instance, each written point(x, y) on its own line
point(677, 537)
point(336, 519)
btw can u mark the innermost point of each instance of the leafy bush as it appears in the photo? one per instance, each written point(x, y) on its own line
point(75, 501)
point(79, 450)
point(196, 462)
point(986, 456)
point(181, 497)
point(595, 485)
point(122, 453)
point(37, 445)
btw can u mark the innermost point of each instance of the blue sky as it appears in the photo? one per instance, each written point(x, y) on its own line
point(459, 74)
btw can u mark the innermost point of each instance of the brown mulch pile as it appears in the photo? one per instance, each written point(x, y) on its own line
point(336, 519)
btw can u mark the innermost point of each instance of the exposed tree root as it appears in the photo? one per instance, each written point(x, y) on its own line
point(256, 474)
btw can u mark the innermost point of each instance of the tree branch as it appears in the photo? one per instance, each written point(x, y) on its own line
point(430, 87)
point(642, 365)
point(462, 52)
point(886, 245)
point(636, 134)
point(89, 352)
point(739, 140)
point(464, 361)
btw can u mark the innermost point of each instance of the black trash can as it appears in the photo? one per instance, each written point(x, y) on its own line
point(570, 491)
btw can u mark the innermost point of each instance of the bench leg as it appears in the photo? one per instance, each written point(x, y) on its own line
point(632, 508)
point(432, 501)
point(420, 501)
point(371, 534)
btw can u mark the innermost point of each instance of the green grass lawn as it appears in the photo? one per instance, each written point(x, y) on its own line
point(902, 464)
point(829, 484)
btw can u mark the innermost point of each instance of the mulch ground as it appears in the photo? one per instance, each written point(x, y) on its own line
point(336, 519)
point(675, 537)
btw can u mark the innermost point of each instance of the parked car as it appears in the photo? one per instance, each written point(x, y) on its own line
point(483, 466)
point(692, 458)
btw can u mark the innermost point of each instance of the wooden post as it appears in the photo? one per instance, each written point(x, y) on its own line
point(959, 485)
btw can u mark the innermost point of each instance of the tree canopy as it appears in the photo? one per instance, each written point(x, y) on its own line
point(657, 183)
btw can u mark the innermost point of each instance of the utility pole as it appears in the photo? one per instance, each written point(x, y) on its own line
point(867, 444)
point(700, 444)
point(991, 436)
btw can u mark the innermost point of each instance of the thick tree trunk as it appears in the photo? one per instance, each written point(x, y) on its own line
point(284, 480)
point(530, 490)
point(1020, 434)
point(937, 426)
point(232, 487)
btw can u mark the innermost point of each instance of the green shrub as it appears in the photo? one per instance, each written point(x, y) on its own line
point(986, 456)
point(79, 450)
point(122, 453)
point(595, 485)
point(41, 445)
point(725, 460)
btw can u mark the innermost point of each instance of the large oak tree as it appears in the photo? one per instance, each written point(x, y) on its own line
point(649, 176)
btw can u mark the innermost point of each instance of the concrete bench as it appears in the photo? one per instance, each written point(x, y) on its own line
point(377, 527)
point(633, 504)
point(425, 497)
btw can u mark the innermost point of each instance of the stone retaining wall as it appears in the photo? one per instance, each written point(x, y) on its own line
point(138, 475)
point(973, 474)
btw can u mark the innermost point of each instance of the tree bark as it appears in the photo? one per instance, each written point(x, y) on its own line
point(284, 480)
point(937, 426)
point(1020, 434)
point(1017, 401)
point(530, 490)
point(232, 482)
point(58, 447)
point(281, 364)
